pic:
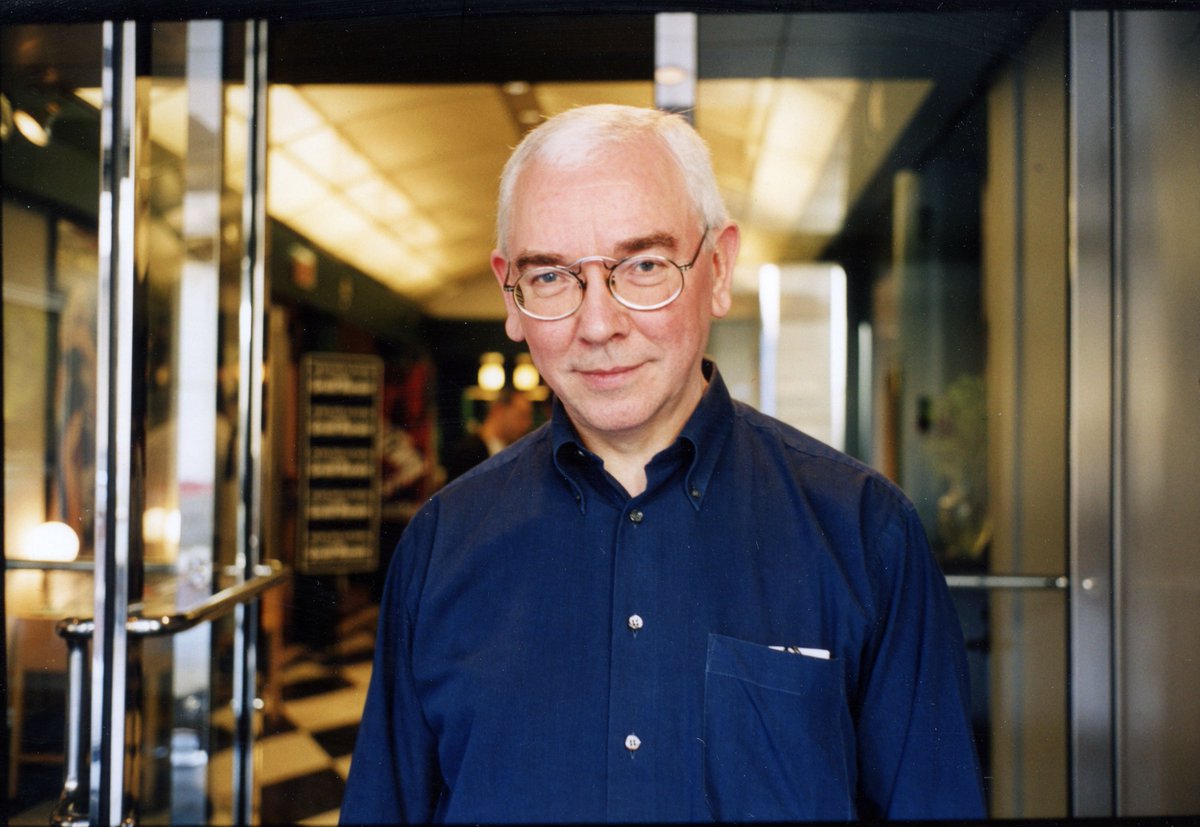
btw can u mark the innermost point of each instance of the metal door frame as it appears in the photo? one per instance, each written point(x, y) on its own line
point(1093, 413)
point(118, 553)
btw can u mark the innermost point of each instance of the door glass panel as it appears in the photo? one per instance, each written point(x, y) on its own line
point(50, 196)
point(932, 186)
point(191, 138)
point(192, 291)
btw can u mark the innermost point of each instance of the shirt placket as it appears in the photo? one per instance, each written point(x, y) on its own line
point(632, 742)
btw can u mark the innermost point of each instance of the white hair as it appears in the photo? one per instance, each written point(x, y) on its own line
point(576, 136)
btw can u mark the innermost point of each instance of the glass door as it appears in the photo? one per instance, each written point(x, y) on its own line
point(133, 300)
point(904, 239)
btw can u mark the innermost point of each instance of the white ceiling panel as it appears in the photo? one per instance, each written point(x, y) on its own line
point(401, 181)
point(449, 130)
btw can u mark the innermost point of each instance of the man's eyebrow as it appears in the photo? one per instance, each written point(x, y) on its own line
point(660, 241)
point(536, 259)
point(666, 242)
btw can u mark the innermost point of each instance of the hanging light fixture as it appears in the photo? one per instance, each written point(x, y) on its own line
point(525, 374)
point(491, 375)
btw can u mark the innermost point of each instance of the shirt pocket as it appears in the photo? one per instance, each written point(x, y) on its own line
point(778, 736)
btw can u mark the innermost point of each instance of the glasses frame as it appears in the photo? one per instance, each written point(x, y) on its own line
point(575, 271)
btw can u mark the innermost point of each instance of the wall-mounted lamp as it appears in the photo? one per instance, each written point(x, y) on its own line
point(31, 128)
point(491, 375)
point(34, 122)
point(525, 375)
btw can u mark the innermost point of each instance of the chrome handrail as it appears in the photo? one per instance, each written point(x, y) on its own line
point(1008, 581)
point(71, 810)
point(266, 575)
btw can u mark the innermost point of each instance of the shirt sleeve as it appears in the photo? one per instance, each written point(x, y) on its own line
point(917, 757)
point(394, 775)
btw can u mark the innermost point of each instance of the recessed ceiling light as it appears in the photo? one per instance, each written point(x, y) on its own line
point(516, 87)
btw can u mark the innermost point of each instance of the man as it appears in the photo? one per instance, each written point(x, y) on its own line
point(509, 417)
point(663, 605)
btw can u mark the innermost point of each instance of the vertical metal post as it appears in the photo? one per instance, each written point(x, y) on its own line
point(675, 62)
point(76, 675)
point(114, 422)
point(250, 414)
point(1092, 414)
point(195, 413)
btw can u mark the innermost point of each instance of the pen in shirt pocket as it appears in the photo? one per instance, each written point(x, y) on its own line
point(822, 654)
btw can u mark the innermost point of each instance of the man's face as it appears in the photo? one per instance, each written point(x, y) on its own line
point(621, 374)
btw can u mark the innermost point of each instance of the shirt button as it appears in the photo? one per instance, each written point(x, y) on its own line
point(635, 516)
point(632, 742)
point(635, 622)
point(695, 493)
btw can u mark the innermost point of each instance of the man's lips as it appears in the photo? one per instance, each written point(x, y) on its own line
point(606, 376)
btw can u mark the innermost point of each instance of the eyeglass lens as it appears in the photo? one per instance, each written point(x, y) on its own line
point(640, 283)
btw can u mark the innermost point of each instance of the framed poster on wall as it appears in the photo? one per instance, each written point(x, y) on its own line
point(340, 467)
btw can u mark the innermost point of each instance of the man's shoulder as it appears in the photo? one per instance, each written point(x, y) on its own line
point(812, 463)
point(528, 454)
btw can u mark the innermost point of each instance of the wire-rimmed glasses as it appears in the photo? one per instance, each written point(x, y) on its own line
point(640, 282)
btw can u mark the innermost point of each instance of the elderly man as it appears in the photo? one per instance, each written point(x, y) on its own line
point(662, 605)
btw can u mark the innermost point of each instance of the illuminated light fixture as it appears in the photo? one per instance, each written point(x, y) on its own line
point(802, 130)
point(528, 117)
point(160, 525)
point(671, 75)
point(491, 371)
point(675, 61)
point(525, 375)
point(516, 88)
point(52, 542)
point(6, 117)
point(33, 129)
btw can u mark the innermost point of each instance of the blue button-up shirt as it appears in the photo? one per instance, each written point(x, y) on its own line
point(761, 634)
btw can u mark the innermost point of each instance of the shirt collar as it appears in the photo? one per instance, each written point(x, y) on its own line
point(706, 431)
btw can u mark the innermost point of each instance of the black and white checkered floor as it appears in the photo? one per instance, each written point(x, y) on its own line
point(304, 749)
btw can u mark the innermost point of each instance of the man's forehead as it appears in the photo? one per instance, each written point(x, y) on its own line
point(625, 206)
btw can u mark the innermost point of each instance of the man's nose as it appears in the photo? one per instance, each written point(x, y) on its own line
point(601, 316)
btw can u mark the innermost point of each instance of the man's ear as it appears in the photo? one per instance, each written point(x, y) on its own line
point(513, 324)
point(724, 254)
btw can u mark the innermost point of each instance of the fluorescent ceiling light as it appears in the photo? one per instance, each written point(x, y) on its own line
point(329, 155)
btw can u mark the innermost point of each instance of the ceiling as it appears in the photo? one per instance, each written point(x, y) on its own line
point(400, 180)
point(386, 139)
point(389, 155)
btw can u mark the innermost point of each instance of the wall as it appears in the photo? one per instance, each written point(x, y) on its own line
point(1157, 478)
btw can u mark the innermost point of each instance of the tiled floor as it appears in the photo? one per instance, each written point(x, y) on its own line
point(303, 749)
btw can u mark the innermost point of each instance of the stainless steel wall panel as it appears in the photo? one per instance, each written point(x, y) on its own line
point(1157, 119)
point(1091, 414)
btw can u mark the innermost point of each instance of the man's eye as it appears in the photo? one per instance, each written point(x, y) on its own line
point(643, 269)
point(547, 281)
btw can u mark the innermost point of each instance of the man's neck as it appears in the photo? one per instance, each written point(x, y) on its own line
point(626, 454)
